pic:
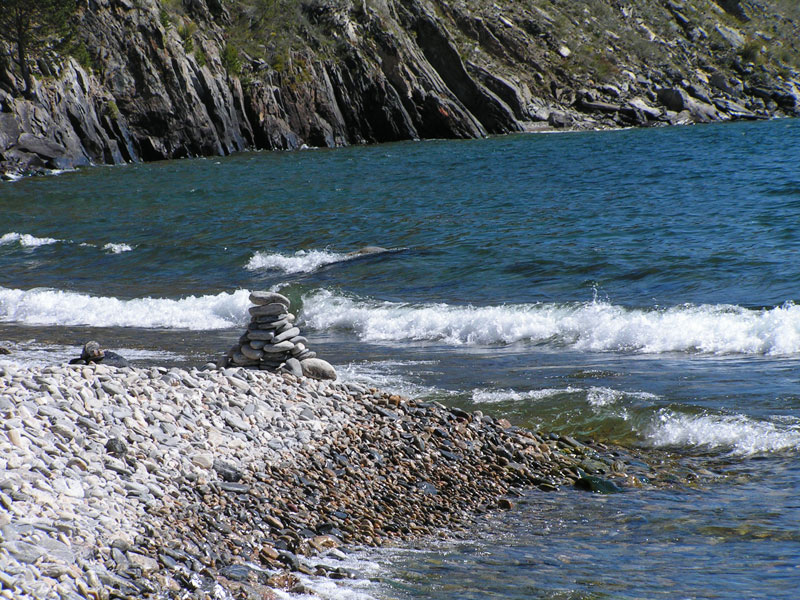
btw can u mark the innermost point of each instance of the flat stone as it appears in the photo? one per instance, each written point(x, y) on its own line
point(279, 347)
point(266, 310)
point(241, 360)
point(112, 388)
point(261, 335)
point(236, 488)
point(227, 471)
point(265, 321)
point(251, 353)
point(69, 487)
point(264, 298)
point(204, 460)
point(289, 333)
point(24, 551)
point(145, 563)
point(316, 368)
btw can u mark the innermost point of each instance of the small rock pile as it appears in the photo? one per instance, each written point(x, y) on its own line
point(273, 343)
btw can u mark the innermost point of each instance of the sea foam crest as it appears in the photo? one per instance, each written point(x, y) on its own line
point(57, 307)
point(117, 248)
point(26, 240)
point(738, 435)
point(302, 261)
point(595, 396)
point(590, 326)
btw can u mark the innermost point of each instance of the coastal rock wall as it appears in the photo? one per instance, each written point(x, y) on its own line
point(162, 79)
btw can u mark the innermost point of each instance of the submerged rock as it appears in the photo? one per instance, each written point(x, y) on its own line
point(593, 483)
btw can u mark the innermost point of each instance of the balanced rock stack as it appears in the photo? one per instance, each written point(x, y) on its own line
point(273, 343)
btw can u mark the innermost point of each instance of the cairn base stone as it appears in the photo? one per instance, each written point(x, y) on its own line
point(316, 368)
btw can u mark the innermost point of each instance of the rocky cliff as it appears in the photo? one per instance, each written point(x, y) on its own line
point(158, 79)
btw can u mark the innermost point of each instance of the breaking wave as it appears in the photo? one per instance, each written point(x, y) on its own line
point(42, 306)
point(302, 261)
point(589, 326)
point(738, 435)
point(26, 240)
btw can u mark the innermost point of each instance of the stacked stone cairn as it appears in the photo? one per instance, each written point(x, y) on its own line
point(273, 343)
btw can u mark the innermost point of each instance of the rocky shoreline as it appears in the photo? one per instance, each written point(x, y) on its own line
point(156, 79)
point(170, 483)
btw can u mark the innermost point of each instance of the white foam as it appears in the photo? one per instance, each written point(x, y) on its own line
point(595, 396)
point(736, 434)
point(29, 241)
point(117, 248)
point(302, 261)
point(484, 396)
point(26, 240)
point(360, 587)
point(41, 306)
point(589, 326)
point(391, 376)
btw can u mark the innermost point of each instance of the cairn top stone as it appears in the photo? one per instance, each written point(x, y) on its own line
point(264, 298)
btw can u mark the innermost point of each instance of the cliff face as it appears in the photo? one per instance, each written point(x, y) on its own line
point(165, 79)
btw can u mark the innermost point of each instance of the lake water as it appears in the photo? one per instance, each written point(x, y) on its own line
point(633, 286)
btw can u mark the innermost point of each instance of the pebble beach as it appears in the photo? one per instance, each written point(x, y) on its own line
point(231, 483)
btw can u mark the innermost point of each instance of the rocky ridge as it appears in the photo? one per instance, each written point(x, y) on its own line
point(166, 79)
point(170, 483)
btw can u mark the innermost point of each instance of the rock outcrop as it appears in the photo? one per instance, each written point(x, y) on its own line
point(164, 79)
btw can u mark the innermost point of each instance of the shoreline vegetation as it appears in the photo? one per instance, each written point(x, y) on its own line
point(164, 482)
point(123, 81)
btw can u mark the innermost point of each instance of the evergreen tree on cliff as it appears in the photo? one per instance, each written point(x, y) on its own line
point(30, 24)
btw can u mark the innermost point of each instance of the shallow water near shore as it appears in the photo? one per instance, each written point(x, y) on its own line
point(635, 286)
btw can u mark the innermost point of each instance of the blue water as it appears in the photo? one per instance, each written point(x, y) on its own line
point(634, 286)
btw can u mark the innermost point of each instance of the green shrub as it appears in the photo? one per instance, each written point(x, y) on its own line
point(112, 109)
point(231, 61)
point(187, 31)
point(751, 51)
point(80, 53)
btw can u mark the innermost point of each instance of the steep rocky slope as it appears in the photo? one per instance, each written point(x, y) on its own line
point(159, 79)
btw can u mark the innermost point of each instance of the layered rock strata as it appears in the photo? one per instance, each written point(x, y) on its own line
point(272, 342)
point(156, 80)
point(170, 483)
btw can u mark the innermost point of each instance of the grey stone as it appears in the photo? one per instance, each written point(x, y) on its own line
point(241, 360)
point(266, 310)
point(279, 347)
point(264, 298)
point(145, 563)
point(316, 368)
point(289, 333)
point(24, 551)
point(261, 335)
point(251, 353)
point(294, 367)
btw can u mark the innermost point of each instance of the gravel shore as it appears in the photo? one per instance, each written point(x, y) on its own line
point(170, 483)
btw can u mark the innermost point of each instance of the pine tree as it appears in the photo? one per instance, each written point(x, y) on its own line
point(30, 24)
